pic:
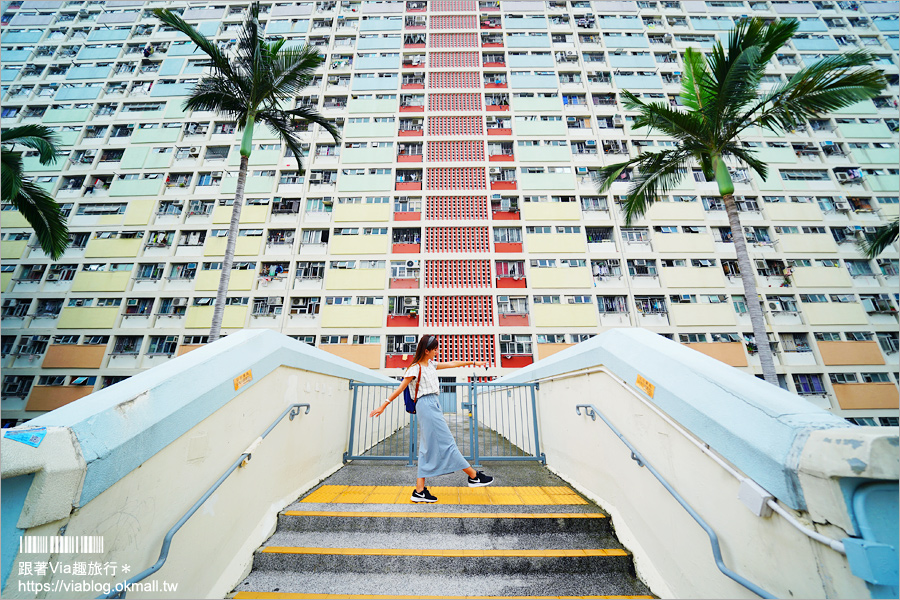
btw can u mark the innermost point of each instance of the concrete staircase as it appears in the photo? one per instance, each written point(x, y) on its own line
point(528, 535)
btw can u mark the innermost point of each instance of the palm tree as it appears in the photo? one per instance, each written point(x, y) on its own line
point(878, 243)
point(250, 87)
point(722, 98)
point(30, 199)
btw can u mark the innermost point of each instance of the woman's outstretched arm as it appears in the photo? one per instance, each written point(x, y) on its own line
point(459, 363)
point(377, 412)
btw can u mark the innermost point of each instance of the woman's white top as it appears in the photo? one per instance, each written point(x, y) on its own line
point(429, 383)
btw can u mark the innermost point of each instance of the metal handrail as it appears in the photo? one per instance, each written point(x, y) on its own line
point(119, 590)
point(593, 412)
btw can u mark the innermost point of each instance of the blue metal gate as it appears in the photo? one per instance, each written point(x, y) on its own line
point(488, 420)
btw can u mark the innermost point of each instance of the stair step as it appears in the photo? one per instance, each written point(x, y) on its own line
point(496, 523)
point(493, 495)
point(440, 586)
point(299, 596)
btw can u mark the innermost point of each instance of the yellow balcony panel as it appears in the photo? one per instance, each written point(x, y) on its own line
point(135, 187)
point(683, 243)
point(5, 278)
point(889, 211)
point(13, 248)
point(850, 353)
point(139, 212)
point(555, 242)
point(355, 279)
point(240, 280)
point(866, 396)
point(250, 213)
point(112, 248)
point(703, 314)
point(693, 277)
point(561, 277)
point(365, 355)
point(51, 397)
point(88, 317)
point(13, 218)
point(246, 245)
point(200, 317)
point(793, 211)
point(70, 356)
point(676, 211)
point(343, 213)
point(551, 211)
point(730, 353)
point(564, 315)
point(352, 315)
point(101, 281)
point(253, 185)
point(806, 242)
point(834, 313)
point(545, 350)
point(821, 277)
point(359, 244)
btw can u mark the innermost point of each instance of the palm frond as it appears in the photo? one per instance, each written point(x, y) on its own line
point(36, 137)
point(871, 247)
point(173, 20)
point(696, 92)
point(12, 172)
point(747, 155)
point(295, 68)
point(687, 127)
point(657, 174)
point(43, 214)
point(279, 122)
point(219, 94)
point(313, 116)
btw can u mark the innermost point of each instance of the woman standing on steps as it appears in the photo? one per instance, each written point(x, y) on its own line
point(438, 454)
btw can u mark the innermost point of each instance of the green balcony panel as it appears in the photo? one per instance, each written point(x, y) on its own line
point(884, 183)
point(175, 109)
point(372, 106)
point(866, 107)
point(777, 155)
point(31, 163)
point(365, 183)
point(379, 43)
point(254, 185)
point(868, 156)
point(66, 115)
point(531, 61)
point(528, 41)
point(188, 49)
point(257, 157)
point(158, 160)
point(546, 181)
point(155, 135)
point(135, 187)
point(356, 156)
point(539, 128)
point(68, 138)
point(370, 129)
point(134, 157)
point(865, 131)
point(367, 84)
point(806, 26)
point(543, 153)
point(76, 73)
point(536, 104)
point(105, 53)
point(533, 81)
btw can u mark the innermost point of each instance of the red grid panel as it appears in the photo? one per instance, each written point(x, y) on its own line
point(453, 40)
point(453, 79)
point(458, 274)
point(458, 311)
point(455, 22)
point(465, 150)
point(455, 126)
point(463, 178)
point(454, 102)
point(456, 239)
point(466, 347)
point(466, 208)
point(453, 60)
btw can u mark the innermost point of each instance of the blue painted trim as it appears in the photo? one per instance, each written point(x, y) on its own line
point(13, 492)
point(759, 428)
point(120, 427)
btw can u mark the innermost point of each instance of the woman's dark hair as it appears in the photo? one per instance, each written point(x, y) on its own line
point(428, 342)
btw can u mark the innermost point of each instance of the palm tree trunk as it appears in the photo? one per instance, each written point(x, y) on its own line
point(750, 294)
point(219, 308)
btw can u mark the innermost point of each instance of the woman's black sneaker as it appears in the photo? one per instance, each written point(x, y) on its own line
point(423, 496)
point(480, 480)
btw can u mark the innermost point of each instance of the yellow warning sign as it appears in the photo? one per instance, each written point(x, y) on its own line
point(645, 386)
point(243, 379)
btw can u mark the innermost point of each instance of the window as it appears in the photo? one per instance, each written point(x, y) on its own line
point(809, 384)
point(162, 344)
point(875, 377)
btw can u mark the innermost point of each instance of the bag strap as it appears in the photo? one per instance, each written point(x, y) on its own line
point(418, 379)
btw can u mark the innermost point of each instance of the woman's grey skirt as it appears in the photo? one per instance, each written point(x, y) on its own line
point(438, 454)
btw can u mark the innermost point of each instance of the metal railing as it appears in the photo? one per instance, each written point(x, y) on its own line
point(120, 589)
point(489, 421)
point(593, 412)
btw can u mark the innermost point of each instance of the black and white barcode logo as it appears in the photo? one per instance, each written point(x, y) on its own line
point(43, 544)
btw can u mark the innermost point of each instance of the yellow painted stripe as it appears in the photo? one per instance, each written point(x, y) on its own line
point(301, 596)
point(497, 496)
point(443, 515)
point(548, 552)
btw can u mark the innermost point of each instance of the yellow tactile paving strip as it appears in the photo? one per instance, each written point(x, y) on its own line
point(388, 494)
point(297, 596)
point(442, 515)
point(491, 552)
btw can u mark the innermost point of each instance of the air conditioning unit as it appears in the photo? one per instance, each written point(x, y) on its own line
point(315, 178)
point(571, 119)
point(410, 301)
point(274, 300)
point(774, 306)
point(304, 145)
point(618, 122)
point(132, 302)
point(194, 151)
point(842, 206)
point(640, 262)
point(412, 264)
point(842, 176)
point(590, 143)
point(495, 170)
point(870, 229)
point(289, 235)
point(685, 297)
point(179, 302)
point(581, 170)
point(570, 53)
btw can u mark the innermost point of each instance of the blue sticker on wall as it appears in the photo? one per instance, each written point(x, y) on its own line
point(31, 437)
